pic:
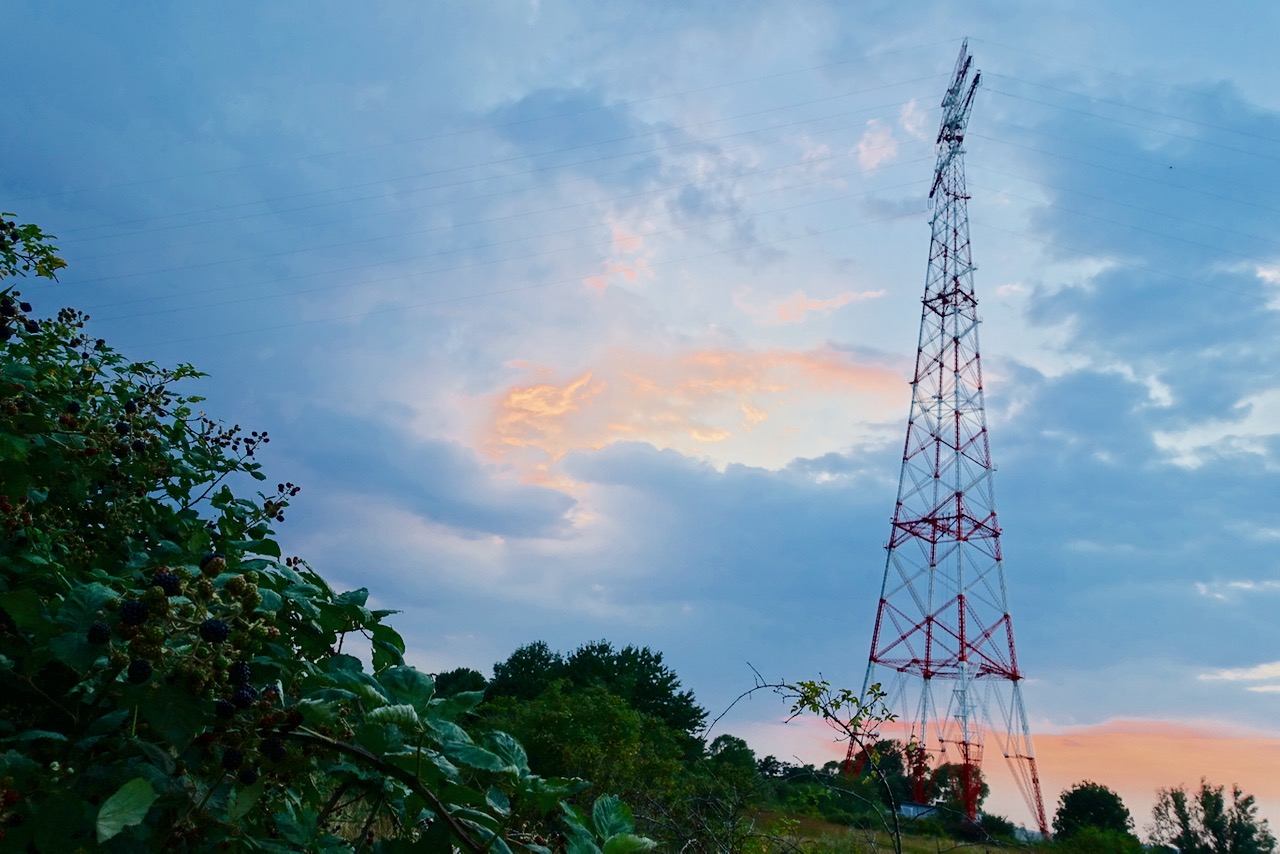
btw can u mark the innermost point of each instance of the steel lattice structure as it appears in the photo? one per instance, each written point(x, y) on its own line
point(943, 643)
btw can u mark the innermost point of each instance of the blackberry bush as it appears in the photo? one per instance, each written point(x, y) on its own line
point(119, 537)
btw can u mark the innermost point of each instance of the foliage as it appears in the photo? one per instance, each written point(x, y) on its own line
point(168, 679)
point(1096, 840)
point(856, 720)
point(1204, 822)
point(592, 733)
point(637, 675)
point(1090, 804)
point(460, 680)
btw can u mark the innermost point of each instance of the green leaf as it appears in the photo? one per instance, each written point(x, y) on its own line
point(353, 597)
point(510, 751)
point(83, 604)
point(127, 807)
point(243, 800)
point(626, 843)
point(475, 756)
point(401, 714)
point(611, 816)
point(35, 735)
point(405, 684)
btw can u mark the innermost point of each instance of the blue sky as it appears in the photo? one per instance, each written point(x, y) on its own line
point(581, 321)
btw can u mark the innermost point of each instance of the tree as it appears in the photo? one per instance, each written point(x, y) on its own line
point(167, 678)
point(1203, 822)
point(637, 675)
point(527, 672)
point(1090, 804)
point(594, 734)
point(460, 680)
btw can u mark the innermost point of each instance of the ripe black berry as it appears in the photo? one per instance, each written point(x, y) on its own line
point(138, 446)
point(168, 582)
point(133, 613)
point(232, 759)
point(139, 670)
point(73, 408)
point(244, 696)
point(32, 326)
point(238, 673)
point(224, 708)
point(122, 427)
point(130, 407)
point(247, 776)
point(99, 632)
point(215, 630)
point(25, 306)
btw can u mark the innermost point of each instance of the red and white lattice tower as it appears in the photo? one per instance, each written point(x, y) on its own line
point(943, 643)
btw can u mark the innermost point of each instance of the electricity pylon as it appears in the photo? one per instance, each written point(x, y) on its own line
point(943, 643)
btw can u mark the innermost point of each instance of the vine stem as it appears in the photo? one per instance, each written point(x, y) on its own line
point(401, 775)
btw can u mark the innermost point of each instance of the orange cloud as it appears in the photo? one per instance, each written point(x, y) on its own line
point(688, 400)
point(795, 307)
point(625, 242)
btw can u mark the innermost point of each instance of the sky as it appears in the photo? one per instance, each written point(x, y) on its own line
point(581, 321)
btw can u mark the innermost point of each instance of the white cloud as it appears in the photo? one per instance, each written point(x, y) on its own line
point(1258, 420)
point(1257, 673)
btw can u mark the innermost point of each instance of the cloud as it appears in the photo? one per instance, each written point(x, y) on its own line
point(877, 145)
point(1251, 431)
point(1258, 672)
point(913, 120)
point(441, 483)
point(794, 308)
point(688, 400)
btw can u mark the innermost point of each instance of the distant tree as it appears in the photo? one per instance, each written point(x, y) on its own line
point(592, 733)
point(527, 672)
point(637, 675)
point(1093, 840)
point(1203, 822)
point(1090, 804)
point(947, 785)
point(460, 680)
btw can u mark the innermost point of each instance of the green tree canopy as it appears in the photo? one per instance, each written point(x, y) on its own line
point(1090, 804)
point(1206, 822)
point(637, 675)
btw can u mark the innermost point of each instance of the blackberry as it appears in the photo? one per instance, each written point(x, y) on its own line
point(232, 759)
point(247, 776)
point(130, 407)
point(32, 326)
point(212, 565)
point(214, 630)
point(133, 613)
point(273, 748)
point(139, 671)
point(224, 708)
point(73, 408)
point(123, 428)
point(244, 696)
point(138, 446)
point(239, 673)
point(168, 582)
point(25, 306)
point(99, 632)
